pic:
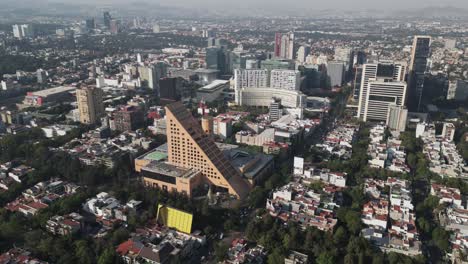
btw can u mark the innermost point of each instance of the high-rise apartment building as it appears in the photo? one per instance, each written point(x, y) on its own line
point(90, 104)
point(284, 45)
point(382, 85)
point(302, 53)
point(275, 111)
point(417, 70)
point(189, 147)
point(285, 80)
point(128, 118)
point(250, 79)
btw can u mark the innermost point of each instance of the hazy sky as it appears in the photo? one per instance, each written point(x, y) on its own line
point(292, 4)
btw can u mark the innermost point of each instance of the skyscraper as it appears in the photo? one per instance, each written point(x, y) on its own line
point(107, 19)
point(23, 31)
point(382, 85)
point(90, 24)
point(357, 82)
point(302, 53)
point(387, 70)
point(284, 45)
point(114, 26)
point(90, 104)
point(417, 70)
point(189, 147)
point(336, 72)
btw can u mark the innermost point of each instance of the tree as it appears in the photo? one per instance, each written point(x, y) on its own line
point(256, 197)
point(83, 252)
point(326, 258)
point(441, 238)
point(340, 236)
point(221, 250)
point(275, 257)
point(108, 257)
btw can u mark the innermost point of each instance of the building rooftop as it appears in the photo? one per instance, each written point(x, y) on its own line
point(170, 170)
point(213, 86)
point(52, 91)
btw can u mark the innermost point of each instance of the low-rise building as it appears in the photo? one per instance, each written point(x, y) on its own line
point(65, 225)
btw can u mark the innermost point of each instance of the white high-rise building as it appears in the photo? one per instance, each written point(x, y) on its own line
point(22, 31)
point(384, 71)
point(302, 53)
point(285, 80)
point(284, 45)
point(250, 79)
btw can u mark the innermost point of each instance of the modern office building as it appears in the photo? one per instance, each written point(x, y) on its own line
point(190, 148)
point(217, 59)
point(169, 88)
point(336, 73)
point(107, 19)
point(388, 71)
point(285, 80)
point(417, 70)
point(284, 45)
point(237, 60)
point(90, 104)
point(90, 23)
point(382, 91)
point(357, 82)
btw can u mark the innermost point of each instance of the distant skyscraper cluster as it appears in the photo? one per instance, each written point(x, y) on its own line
point(284, 45)
point(23, 31)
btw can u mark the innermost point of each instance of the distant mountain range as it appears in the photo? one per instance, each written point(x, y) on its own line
point(22, 9)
